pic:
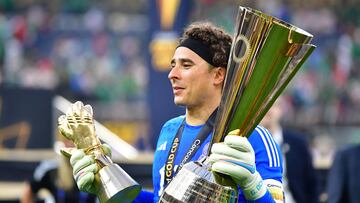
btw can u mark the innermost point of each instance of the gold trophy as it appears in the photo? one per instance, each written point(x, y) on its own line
point(265, 55)
point(113, 183)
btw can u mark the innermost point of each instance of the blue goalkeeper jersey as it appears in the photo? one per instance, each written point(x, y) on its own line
point(267, 153)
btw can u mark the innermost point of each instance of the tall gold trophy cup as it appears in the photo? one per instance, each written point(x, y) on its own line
point(112, 183)
point(265, 55)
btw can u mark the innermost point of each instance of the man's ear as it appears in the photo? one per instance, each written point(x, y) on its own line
point(219, 77)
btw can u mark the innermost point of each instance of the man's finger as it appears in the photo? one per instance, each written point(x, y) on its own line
point(234, 132)
point(239, 143)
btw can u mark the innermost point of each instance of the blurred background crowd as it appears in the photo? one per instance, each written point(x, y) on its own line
point(98, 52)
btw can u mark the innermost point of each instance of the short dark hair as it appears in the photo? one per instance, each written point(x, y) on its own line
point(215, 37)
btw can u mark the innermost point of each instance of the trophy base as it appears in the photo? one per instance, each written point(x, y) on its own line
point(116, 185)
point(196, 183)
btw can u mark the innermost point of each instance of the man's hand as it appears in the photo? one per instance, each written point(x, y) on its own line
point(85, 168)
point(235, 157)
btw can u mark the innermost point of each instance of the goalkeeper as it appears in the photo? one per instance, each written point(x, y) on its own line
point(197, 75)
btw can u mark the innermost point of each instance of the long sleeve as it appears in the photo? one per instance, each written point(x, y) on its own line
point(311, 185)
point(300, 172)
point(336, 180)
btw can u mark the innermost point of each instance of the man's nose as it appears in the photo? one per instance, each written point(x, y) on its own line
point(174, 73)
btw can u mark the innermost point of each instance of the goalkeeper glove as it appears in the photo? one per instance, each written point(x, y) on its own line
point(235, 157)
point(85, 168)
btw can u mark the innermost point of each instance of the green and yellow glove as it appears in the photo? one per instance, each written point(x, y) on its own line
point(235, 157)
point(85, 167)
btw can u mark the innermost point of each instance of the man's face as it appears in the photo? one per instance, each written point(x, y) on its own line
point(191, 78)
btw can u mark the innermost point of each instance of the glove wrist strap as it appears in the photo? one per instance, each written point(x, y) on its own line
point(255, 189)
